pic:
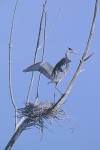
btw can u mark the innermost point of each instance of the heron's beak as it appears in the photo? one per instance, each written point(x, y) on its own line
point(72, 51)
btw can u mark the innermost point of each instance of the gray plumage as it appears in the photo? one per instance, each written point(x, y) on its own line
point(43, 67)
point(55, 74)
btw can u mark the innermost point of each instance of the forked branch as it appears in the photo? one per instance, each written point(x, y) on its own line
point(64, 96)
point(36, 51)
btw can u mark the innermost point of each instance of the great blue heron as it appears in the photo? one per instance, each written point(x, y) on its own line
point(55, 74)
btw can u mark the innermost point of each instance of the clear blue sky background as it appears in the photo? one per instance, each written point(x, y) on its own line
point(71, 29)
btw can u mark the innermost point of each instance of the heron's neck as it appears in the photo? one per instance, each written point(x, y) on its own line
point(67, 55)
point(66, 68)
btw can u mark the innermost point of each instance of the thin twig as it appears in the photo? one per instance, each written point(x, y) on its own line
point(10, 78)
point(51, 27)
point(42, 54)
point(38, 42)
point(64, 96)
point(88, 57)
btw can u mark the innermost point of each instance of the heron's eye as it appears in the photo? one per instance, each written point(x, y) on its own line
point(70, 49)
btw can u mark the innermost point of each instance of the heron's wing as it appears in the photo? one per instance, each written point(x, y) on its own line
point(43, 67)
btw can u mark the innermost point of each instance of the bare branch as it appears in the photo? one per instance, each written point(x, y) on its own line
point(51, 27)
point(64, 96)
point(10, 79)
point(88, 57)
point(45, 23)
point(38, 42)
point(16, 135)
point(42, 54)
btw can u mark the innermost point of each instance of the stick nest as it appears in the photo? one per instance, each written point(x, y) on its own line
point(37, 113)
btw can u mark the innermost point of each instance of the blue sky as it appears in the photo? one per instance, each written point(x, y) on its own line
point(71, 29)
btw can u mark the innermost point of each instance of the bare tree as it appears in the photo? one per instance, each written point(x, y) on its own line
point(35, 114)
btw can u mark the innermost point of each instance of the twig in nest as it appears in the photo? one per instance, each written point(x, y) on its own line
point(37, 113)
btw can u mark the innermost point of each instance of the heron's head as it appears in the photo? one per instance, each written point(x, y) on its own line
point(69, 50)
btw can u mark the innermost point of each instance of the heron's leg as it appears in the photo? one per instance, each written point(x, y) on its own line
point(55, 92)
point(37, 92)
point(58, 90)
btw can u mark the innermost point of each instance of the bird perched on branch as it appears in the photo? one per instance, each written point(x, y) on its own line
point(55, 74)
